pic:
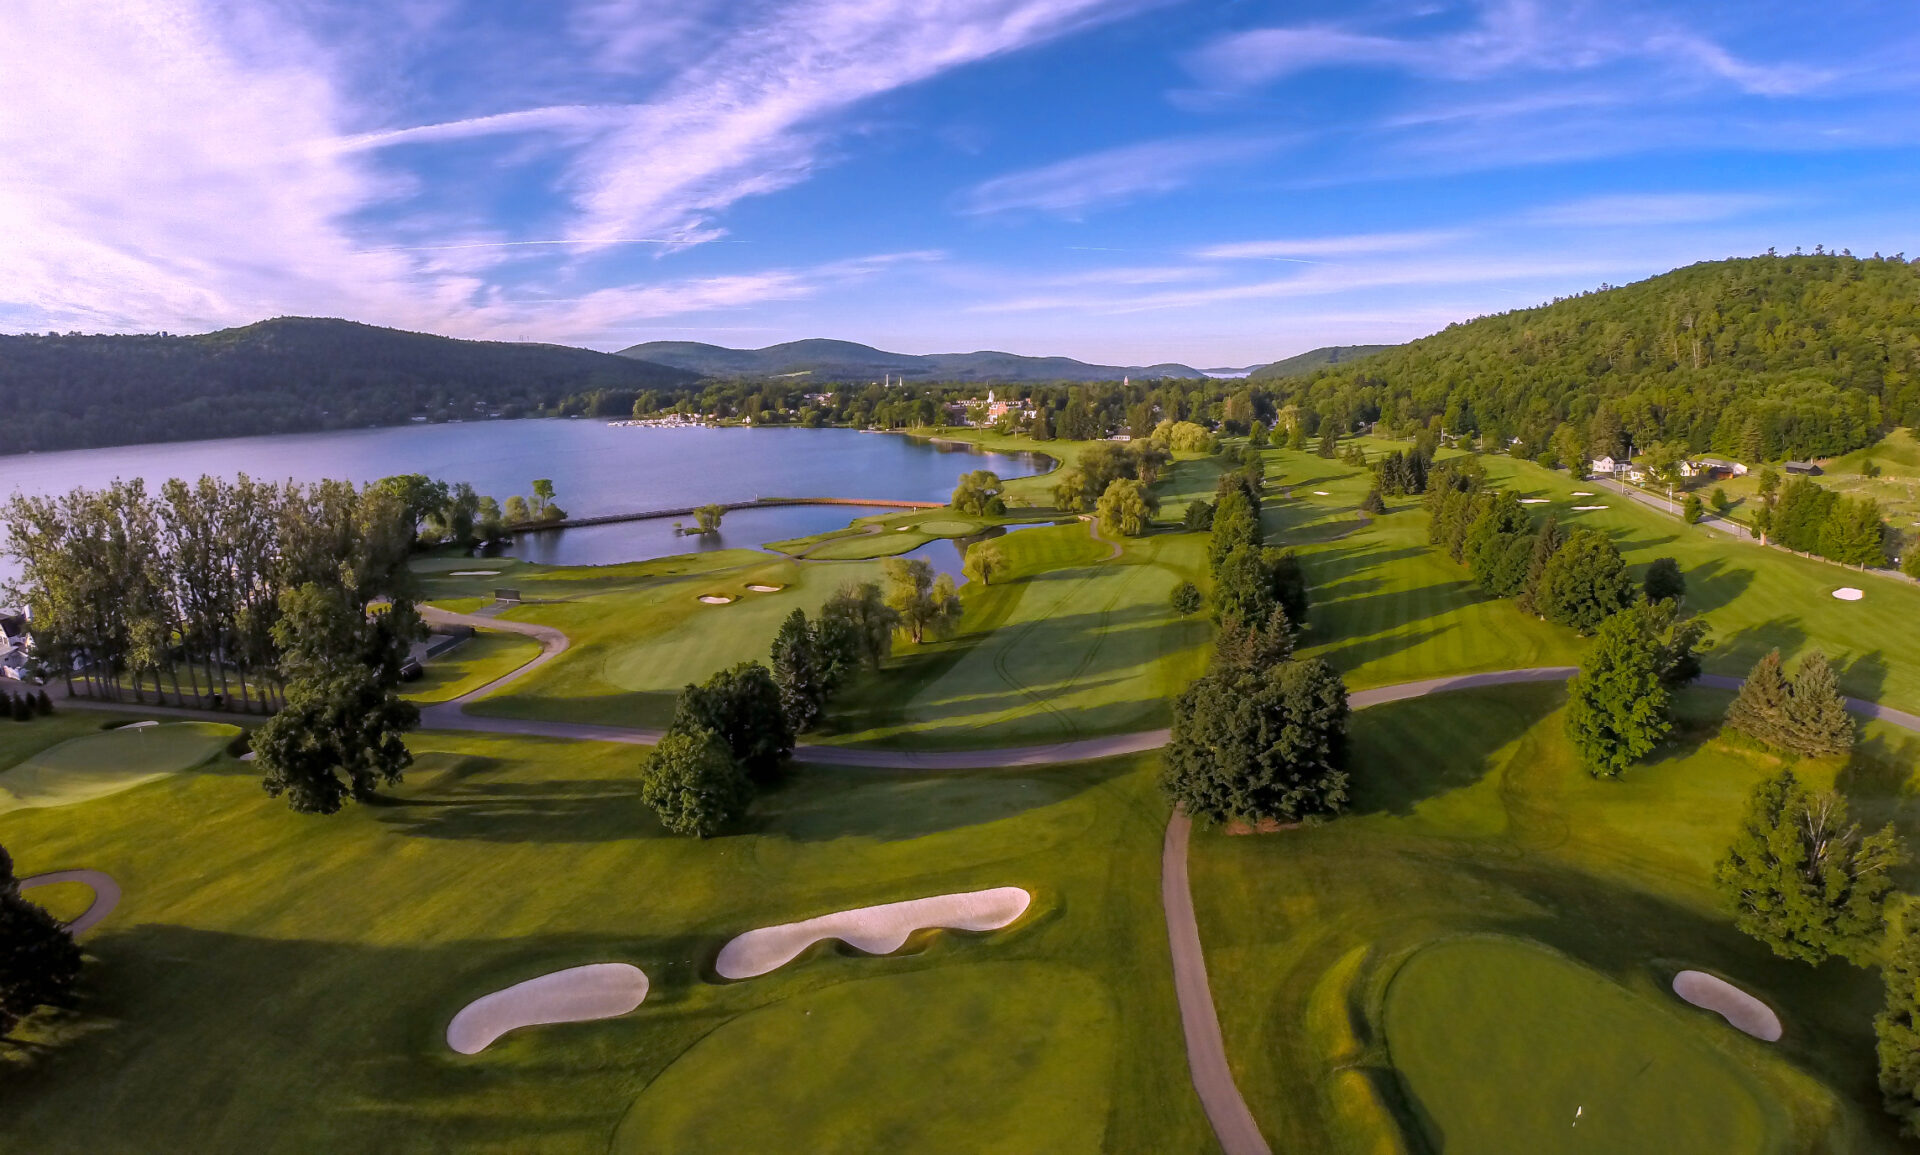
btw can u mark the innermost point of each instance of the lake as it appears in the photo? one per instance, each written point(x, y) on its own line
point(595, 469)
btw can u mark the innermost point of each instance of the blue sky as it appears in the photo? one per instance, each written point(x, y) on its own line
point(1118, 180)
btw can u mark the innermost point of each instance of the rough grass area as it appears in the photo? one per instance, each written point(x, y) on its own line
point(107, 762)
point(280, 982)
point(1471, 816)
point(1505, 1046)
point(1068, 644)
point(488, 655)
point(1388, 608)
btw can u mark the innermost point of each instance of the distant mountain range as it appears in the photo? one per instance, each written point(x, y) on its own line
point(825, 360)
point(1303, 363)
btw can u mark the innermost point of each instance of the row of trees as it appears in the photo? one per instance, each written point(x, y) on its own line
point(1081, 485)
point(1812, 519)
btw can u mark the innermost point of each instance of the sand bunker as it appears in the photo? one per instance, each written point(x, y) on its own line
point(1584, 508)
point(1848, 594)
point(760, 589)
point(474, 573)
point(138, 725)
point(715, 600)
point(1321, 493)
point(575, 995)
point(1745, 1012)
point(1533, 501)
point(873, 929)
point(1583, 493)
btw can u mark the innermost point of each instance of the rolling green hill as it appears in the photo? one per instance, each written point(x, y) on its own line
point(1307, 362)
point(1758, 358)
point(291, 374)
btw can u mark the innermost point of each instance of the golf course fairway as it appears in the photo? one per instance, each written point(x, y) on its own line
point(1506, 1046)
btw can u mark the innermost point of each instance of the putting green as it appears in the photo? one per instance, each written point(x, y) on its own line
point(1020, 1053)
point(96, 765)
point(947, 527)
point(1507, 1046)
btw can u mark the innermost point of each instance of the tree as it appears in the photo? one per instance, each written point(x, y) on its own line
point(1070, 492)
point(855, 631)
point(1329, 446)
point(708, 517)
point(1547, 541)
point(1257, 745)
point(1373, 503)
point(742, 705)
point(1807, 715)
point(1802, 880)
point(1618, 705)
point(1236, 523)
point(1199, 516)
point(1257, 436)
point(1896, 1031)
point(799, 671)
point(1854, 533)
point(1584, 582)
point(542, 497)
point(1186, 599)
point(1692, 509)
point(1721, 503)
point(516, 512)
point(1664, 581)
point(39, 962)
point(922, 600)
point(978, 494)
point(1817, 719)
point(983, 560)
point(693, 783)
point(1760, 709)
point(1254, 645)
point(339, 734)
point(1243, 587)
point(1127, 508)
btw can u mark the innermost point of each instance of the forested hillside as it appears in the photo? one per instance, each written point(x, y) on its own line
point(287, 375)
point(1759, 358)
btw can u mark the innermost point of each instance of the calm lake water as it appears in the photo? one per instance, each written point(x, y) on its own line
point(595, 470)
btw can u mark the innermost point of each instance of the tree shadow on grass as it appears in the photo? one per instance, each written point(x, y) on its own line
point(1738, 651)
point(825, 805)
point(1713, 584)
point(1386, 780)
point(558, 811)
point(1878, 781)
point(1865, 676)
point(312, 1044)
point(1327, 568)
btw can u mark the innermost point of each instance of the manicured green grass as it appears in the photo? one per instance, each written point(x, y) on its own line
point(1388, 608)
point(867, 546)
point(1509, 1047)
point(279, 982)
point(488, 655)
point(637, 640)
point(1471, 816)
point(92, 765)
point(1068, 644)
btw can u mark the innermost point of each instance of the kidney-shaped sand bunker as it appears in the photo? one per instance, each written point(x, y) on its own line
point(874, 929)
point(578, 994)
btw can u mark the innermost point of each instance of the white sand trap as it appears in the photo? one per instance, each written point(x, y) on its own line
point(1583, 493)
point(874, 929)
point(1848, 594)
point(250, 756)
point(902, 528)
point(715, 600)
point(1585, 508)
point(139, 725)
point(1745, 1012)
point(1533, 501)
point(575, 995)
point(760, 589)
point(1321, 493)
point(474, 573)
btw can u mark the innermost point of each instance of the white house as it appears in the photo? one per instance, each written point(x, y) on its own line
point(1606, 465)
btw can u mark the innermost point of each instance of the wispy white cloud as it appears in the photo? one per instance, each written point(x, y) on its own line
point(1509, 35)
point(1646, 210)
point(1303, 249)
point(1071, 186)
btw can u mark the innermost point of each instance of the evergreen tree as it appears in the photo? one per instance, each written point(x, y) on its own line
point(1186, 599)
point(1692, 509)
point(1236, 523)
point(1817, 718)
point(45, 704)
point(693, 783)
point(1618, 705)
point(1760, 709)
point(1241, 588)
point(1802, 880)
point(1260, 745)
point(1547, 541)
point(1254, 645)
point(1287, 581)
point(799, 672)
point(1373, 503)
point(1329, 447)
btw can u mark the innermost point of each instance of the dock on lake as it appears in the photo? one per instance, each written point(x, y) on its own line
point(687, 511)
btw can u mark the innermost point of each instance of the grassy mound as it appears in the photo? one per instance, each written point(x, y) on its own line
point(950, 527)
point(860, 547)
point(488, 655)
point(95, 765)
point(1506, 1046)
point(1013, 1049)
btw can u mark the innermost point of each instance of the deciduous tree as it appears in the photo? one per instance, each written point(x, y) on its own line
point(1126, 508)
point(1584, 582)
point(800, 671)
point(1260, 745)
point(982, 561)
point(742, 706)
point(692, 781)
point(922, 600)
